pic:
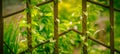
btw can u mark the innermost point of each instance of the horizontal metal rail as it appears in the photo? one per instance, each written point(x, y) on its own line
point(97, 41)
point(93, 2)
point(51, 1)
point(89, 37)
point(35, 47)
point(63, 33)
point(24, 9)
point(45, 42)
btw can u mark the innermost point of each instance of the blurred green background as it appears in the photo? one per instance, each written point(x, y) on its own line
point(70, 16)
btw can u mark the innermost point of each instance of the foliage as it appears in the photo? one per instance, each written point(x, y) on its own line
point(10, 38)
point(70, 16)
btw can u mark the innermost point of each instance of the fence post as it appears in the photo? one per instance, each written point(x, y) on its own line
point(29, 37)
point(111, 26)
point(56, 27)
point(1, 29)
point(84, 23)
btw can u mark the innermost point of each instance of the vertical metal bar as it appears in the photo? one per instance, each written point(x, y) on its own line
point(111, 26)
point(56, 26)
point(1, 30)
point(29, 37)
point(84, 23)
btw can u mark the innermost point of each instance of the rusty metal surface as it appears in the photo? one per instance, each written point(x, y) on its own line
point(56, 27)
point(111, 11)
point(1, 30)
point(84, 23)
point(56, 35)
point(29, 33)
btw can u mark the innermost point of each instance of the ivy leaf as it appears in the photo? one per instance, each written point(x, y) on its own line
point(41, 26)
point(85, 43)
point(41, 38)
point(51, 40)
point(23, 23)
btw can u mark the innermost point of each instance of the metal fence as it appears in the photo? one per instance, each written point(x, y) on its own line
point(56, 34)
